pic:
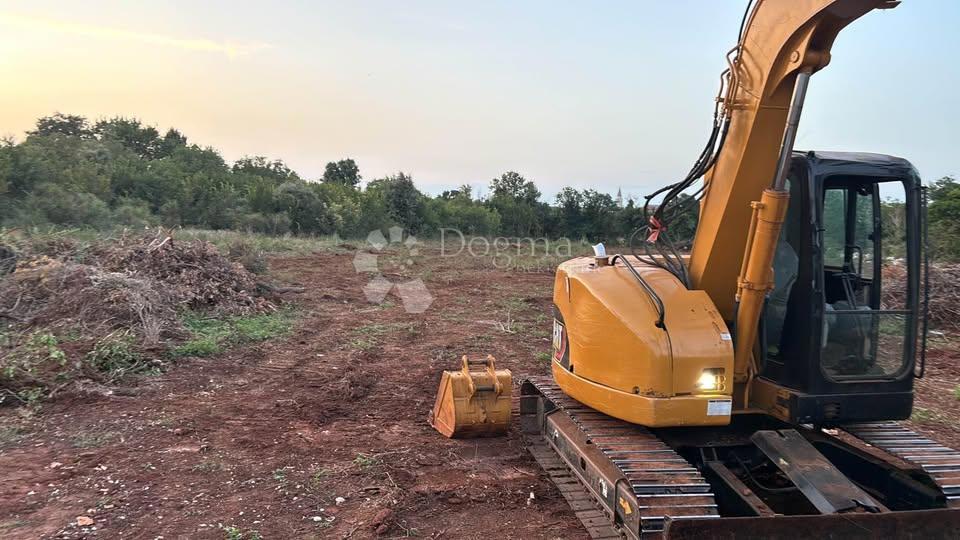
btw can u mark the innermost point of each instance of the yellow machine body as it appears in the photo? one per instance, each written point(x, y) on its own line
point(618, 359)
point(473, 403)
point(610, 353)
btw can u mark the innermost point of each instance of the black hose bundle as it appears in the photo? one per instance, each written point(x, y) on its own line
point(656, 246)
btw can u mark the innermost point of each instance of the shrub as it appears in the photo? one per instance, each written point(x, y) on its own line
point(116, 356)
point(273, 223)
point(248, 255)
point(51, 203)
point(133, 213)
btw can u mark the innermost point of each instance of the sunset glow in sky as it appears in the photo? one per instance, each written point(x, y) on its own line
point(605, 95)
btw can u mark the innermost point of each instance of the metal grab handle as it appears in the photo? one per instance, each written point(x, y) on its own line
point(491, 370)
point(925, 321)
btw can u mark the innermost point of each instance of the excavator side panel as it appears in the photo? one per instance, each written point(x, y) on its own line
point(610, 353)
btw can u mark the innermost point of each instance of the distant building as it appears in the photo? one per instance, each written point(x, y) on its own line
point(619, 198)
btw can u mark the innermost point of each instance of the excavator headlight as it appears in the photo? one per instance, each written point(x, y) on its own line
point(710, 380)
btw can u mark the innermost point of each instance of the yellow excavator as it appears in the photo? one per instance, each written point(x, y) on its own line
point(751, 388)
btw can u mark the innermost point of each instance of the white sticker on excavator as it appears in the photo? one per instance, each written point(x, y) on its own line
point(719, 407)
point(725, 336)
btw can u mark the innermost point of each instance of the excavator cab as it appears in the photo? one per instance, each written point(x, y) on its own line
point(839, 333)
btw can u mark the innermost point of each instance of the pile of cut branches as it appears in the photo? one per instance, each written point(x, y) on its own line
point(195, 273)
point(113, 311)
point(944, 292)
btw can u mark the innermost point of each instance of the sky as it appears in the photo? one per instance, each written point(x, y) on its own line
point(607, 95)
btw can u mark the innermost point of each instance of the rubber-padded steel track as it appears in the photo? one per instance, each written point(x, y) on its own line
point(661, 481)
point(940, 462)
point(593, 518)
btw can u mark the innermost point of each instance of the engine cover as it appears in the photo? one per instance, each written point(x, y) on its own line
point(610, 354)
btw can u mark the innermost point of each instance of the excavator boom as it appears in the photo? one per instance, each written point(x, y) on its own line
point(781, 41)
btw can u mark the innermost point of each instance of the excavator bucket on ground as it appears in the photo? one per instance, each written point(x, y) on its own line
point(473, 403)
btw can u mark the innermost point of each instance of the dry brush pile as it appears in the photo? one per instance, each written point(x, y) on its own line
point(944, 293)
point(110, 312)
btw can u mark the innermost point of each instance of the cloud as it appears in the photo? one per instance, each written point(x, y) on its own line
point(230, 49)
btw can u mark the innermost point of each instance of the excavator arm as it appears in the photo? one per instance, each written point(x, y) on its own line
point(783, 43)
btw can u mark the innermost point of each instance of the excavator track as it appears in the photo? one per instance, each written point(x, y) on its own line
point(635, 477)
point(581, 501)
point(940, 462)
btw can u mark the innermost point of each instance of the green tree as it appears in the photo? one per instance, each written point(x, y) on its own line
point(261, 196)
point(63, 124)
point(53, 204)
point(344, 172)
point(172, 140)
point(516, 201)
point(464, 192)
point(598, 216)
point(276, 170)
point(570, 212)
point(143, 140)
point(308, 213)
point(456, 209)
point(944, 218)
point(403, 201)
point(514, 186)
point(683, 221)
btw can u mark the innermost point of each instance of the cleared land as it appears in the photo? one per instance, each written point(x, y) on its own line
point(321, 431)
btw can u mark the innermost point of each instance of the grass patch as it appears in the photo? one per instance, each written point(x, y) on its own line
point(92, 439)
point(373, 329)
point(363, 344)
point(210, 335)
point(921, 415)
point(208, 466)
point(27, 361)
point(365, 461)
point(263, 243)
point(79, 244)
point(515, 304)
point(262, 327)
point(11, 435)
point(956, 391)
point(11, 525)
point(280, 475)
point(318, 475)
point(231, 532)
point(368, 336)
point(116, 356)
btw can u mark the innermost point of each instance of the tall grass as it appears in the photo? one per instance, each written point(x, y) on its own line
point(42, 240)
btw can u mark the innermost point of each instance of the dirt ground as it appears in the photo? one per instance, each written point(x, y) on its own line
point(321, 434)
point(266, 439)
point(936, 407)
